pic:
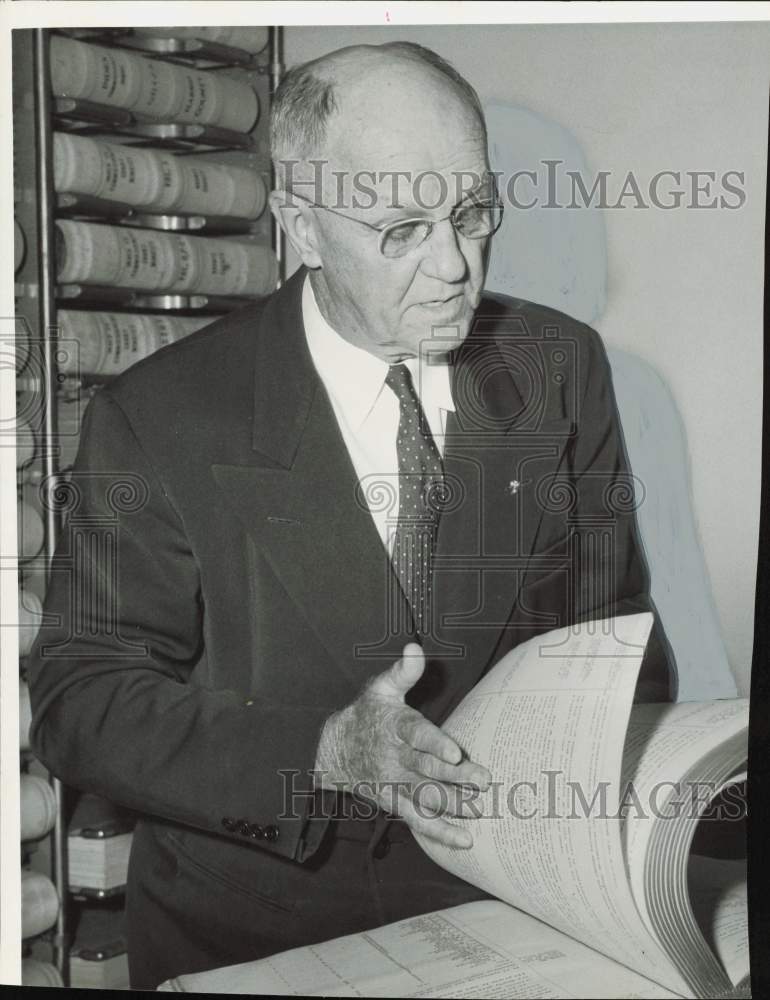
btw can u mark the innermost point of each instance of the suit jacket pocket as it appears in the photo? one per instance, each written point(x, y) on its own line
point(247, 871)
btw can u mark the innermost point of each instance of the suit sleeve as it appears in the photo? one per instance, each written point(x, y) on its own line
point(116, 709)
point(609, 571)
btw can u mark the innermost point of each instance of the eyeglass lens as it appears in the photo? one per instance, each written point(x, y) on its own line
point(475, 221)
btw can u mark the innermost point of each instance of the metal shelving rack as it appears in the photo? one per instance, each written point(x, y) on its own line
point(38, 295)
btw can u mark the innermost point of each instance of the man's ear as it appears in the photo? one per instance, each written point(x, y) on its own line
point(298, 224)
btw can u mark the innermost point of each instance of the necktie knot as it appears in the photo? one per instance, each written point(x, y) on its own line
point(416, 446)
point(399, 378)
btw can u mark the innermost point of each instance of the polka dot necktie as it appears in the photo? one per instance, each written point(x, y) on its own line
point(420, 479)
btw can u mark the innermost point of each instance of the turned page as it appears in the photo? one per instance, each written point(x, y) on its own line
point(549, 721)
point(677, 758)
point(719, 902)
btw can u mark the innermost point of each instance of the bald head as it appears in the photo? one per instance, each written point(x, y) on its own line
point(326, 109)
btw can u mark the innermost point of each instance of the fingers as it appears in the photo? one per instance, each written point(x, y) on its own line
point(415, 730)
point(443, 799)
point(438, 756)
point(431, 826)
point(403, 675)
point(466, 773)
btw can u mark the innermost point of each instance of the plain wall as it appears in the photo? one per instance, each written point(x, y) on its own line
point(684, 287)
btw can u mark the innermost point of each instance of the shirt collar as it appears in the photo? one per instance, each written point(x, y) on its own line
point(354, 377)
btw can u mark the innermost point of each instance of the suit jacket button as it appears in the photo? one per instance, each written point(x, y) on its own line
point(382, 848)
point(256, 831)
point(244, 828)
point(271, 833)
point(229, 823)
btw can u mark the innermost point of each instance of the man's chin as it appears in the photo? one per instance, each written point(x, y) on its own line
point(446, 336)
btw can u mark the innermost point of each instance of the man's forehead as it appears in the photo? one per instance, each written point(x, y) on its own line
point(412, 155)
point(397, 188)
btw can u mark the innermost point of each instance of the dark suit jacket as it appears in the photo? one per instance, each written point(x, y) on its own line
point(220, 587)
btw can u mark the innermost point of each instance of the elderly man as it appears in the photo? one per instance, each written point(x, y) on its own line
point(333, 511)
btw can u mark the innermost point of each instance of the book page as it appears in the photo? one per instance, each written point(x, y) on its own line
point(549, 721)
point(484, 949)
point(719, 901)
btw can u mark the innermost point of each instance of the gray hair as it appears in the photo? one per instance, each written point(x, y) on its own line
point(305, 100)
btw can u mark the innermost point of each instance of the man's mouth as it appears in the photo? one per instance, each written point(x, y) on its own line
point(448, 302)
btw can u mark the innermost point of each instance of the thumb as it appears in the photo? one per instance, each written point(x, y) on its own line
point(404, 673)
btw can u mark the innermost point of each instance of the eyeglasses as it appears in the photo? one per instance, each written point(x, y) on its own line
point(474, 218)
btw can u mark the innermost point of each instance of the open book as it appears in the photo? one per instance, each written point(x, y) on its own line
point(587, 831)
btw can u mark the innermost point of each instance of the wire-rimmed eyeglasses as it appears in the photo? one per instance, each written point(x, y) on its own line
point(475, 218)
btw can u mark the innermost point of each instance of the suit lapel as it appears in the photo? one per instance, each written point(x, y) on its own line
point(498, 447)
point(299, 499)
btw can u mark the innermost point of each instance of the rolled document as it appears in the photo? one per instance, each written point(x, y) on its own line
point(150, 88)
point(38, 807)
point(107, 343)
point(155, 180)
point(19, 246)
point(250, 39)
point(30, 531)
point(25, 715)
point(37, 973)
point(30, 615)
point(39, 903)
point(146, 259)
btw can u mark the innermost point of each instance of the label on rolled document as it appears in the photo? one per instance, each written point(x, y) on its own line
point(209, 186)
point(162, 91)
point(228, 267)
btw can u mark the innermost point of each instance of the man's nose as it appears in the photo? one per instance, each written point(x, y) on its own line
point(444, 258)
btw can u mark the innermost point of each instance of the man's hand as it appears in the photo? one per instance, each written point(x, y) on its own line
point(409, 766)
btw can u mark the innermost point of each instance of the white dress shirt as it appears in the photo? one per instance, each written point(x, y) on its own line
point(367, 410)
